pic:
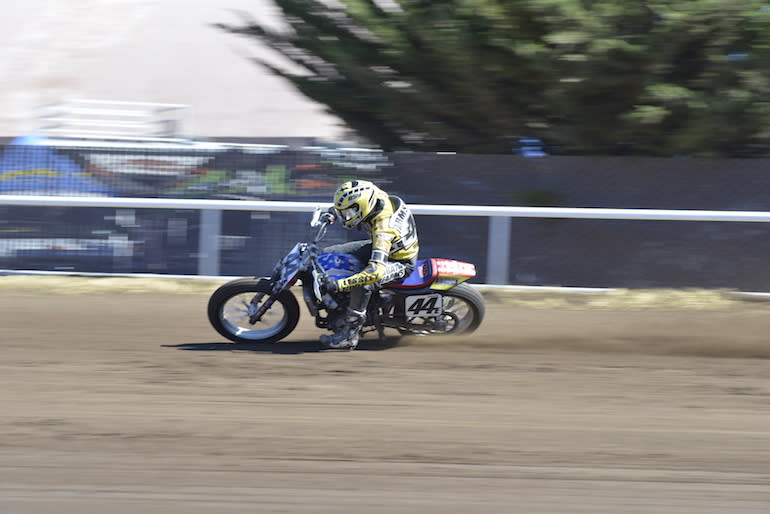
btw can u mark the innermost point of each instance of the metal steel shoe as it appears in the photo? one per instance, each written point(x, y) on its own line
point(345, 339)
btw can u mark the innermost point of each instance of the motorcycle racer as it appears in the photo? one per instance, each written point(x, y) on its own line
point(391, 251)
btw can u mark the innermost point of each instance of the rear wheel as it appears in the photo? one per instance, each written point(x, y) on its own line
point(463, 309)
point(462, 313)
point(231, 305)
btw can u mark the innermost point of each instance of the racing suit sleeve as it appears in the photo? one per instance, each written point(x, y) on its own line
point(382, 240)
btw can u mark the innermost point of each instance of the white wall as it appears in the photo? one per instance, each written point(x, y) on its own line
point(148, 51)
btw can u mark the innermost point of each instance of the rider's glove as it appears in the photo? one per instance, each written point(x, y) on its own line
point(330, 215)
point(329, 285)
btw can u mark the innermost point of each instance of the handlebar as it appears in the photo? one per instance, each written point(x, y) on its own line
point(322, 218)
point(322, 215)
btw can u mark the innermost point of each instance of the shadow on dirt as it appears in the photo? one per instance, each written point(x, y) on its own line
point(282, 348)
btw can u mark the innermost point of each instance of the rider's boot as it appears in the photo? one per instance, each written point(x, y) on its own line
point(346, 338)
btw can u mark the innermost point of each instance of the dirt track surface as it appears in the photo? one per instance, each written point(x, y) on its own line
point(127, 402)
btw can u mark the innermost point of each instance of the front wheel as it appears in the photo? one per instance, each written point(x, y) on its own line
point(231, 305)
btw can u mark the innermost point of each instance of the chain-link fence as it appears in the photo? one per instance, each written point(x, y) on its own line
point(609, 253)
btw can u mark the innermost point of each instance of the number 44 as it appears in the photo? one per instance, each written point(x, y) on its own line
point(424, 305)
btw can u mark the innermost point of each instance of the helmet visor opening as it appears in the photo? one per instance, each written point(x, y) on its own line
point(349, 213)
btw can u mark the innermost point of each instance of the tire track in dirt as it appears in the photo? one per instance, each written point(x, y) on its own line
point(119, 400)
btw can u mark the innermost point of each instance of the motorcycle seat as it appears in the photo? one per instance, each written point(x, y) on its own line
point(424, 273)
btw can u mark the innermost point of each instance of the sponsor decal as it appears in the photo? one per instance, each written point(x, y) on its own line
point(339, 265)
point(455, 268)
point(141, 164)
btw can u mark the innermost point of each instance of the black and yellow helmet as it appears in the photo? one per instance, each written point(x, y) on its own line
point(355, 201)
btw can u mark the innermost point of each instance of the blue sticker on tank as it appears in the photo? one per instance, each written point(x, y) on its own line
point(339, 265)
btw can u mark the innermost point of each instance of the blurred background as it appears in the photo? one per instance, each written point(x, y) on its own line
point(165, 51)
point(546, 104)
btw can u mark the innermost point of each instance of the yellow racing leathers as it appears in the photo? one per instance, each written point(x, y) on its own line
point(394, 245)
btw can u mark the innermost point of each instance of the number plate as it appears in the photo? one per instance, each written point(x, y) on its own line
point(423, 305)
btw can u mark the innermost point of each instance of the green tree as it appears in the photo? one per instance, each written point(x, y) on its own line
point(644, 77)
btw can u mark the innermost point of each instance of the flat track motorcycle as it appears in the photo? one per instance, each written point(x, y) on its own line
point(433, 299)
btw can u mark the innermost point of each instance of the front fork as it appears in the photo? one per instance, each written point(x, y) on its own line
point(255, 310)
point(256, 316)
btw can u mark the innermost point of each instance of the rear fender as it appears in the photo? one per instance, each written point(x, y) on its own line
point(449, 273)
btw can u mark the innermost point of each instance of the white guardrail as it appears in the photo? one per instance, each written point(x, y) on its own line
point(498, 247)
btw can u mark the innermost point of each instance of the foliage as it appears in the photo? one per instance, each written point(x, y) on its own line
point(643, 77)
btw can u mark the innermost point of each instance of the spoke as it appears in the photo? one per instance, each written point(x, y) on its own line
point(235, 316)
